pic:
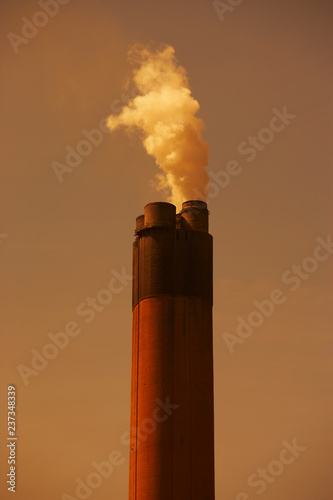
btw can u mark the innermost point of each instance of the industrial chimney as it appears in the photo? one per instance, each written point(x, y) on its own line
point(172, 407)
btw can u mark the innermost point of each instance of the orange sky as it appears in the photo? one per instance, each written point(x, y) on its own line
point(61, 243)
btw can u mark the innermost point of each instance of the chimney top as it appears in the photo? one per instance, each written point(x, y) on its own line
point(192, 217)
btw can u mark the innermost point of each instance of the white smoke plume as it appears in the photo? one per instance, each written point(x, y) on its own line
point(163, 113)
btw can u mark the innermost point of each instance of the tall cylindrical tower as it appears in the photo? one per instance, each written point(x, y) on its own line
point(172, 408)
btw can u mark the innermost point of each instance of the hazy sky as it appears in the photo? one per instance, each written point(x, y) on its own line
point(262, 74)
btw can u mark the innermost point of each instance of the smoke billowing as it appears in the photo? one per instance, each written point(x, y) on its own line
point(163, 113)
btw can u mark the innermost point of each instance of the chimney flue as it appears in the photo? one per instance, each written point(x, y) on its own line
point(172, 409)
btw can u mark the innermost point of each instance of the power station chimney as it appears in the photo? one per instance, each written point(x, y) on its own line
point(172, 407)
